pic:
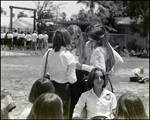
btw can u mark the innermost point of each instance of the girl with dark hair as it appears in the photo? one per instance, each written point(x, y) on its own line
point(47, 106)
point(40, 86)
point(15, 34)
point(100, 53)
point(130, 106)
point(98, 101)
point(61, 67)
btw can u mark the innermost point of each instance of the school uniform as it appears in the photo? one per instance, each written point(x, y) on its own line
point(15, 34)
point(61, 68)
point(9, 40)
point(40, 41)
point(2, 38)
point(96, 106)
point(28, 38)
point(34, 41)
point(77, 88)
point(22, 39)
point(45, 39)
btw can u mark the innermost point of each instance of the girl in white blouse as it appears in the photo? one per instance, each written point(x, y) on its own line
point(98, 101)
point(61, 67)
point(101, 54)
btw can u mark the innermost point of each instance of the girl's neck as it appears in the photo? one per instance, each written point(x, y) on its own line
point(98, 91)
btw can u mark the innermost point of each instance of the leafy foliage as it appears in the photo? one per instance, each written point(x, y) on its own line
point(21, 14)
point(138, 11)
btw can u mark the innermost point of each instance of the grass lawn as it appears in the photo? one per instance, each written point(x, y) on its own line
point(19, 73)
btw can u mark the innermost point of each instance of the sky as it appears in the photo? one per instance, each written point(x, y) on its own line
point(69, 8)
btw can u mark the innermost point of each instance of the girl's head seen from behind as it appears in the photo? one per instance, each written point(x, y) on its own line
point(41, 86)
point(61, 38)
point(47, 106)
point(130, 106)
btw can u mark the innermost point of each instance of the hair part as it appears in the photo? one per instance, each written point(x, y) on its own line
point(47, 106)
point(61, 38)
point(41, 86)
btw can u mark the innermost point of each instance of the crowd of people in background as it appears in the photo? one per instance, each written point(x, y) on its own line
point(19, 40)
point(135, 52)
point(79, 73)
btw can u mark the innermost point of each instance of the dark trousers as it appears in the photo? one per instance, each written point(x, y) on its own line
point(134, 79)
point(76, 90)
point(63, 91)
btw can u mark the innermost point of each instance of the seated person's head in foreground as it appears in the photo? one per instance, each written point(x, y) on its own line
point(130, 106)
point(41, 86)
point(47, 106)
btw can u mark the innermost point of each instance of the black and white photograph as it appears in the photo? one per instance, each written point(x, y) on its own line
point(74, 59)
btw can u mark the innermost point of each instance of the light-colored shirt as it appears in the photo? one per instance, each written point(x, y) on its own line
point(9, 35)
point(15, 34)
point(98, 59)
point(22, 35)
point(28, 37)
point(2, 35)
point(45, 37)
point(135, 71)
point(60, 66)
point(34, 37)
point(96, 106)
point(40, 36)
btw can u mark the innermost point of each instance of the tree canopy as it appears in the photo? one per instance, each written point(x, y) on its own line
point(138, 11)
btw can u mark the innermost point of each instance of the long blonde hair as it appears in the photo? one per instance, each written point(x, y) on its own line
point(74, 29)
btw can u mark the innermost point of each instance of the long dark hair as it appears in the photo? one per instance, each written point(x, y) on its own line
point(41, 86)
point(97, 33)
point(130, 106)
point(61, 38)
point(47, 106)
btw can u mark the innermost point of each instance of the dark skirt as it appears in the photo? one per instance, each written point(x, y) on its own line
point(14, 40)
point(63, 91)
point(2, 41)
point(9, 41)
point(28, 43)
point(76, 90)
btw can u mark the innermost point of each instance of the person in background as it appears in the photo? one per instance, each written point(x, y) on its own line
point(21, 40)
point(125, 52)
point(130, 106)
point(47, 106)
point(97, 100)
point(10, 40)
point(61, 67)
point(77, 47)
point(39, 87)
point(2, 40)
point(45, 40)
point(28, 38)
point(40, 41)
point(34, 41)
point(15, 34)
point(137, 75)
